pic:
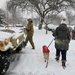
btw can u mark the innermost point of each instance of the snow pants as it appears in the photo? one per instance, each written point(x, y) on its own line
point(30, 39)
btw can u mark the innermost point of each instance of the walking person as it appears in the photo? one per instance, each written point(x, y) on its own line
point(62, 40)
point(30, 32)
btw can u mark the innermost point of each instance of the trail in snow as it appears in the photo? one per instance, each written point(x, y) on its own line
point(32, 61)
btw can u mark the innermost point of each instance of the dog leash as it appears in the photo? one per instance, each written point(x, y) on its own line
point(51, 42)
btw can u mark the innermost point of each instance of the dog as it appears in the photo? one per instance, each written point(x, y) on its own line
point(46, 52)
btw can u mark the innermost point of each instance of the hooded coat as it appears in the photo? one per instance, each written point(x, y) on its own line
point(30, 30)
point(62, 37)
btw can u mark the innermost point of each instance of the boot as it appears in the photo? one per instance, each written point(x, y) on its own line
point(63, 64)
point(33, 47)
point(57, 58)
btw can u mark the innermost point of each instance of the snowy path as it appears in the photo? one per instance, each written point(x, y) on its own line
point(32, 61)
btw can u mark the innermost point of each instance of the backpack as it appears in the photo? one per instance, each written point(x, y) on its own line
point(63, 32)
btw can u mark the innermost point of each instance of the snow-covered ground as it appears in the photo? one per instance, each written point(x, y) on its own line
point(31, 62)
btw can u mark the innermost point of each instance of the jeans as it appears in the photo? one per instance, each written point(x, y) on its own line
point(63, 53)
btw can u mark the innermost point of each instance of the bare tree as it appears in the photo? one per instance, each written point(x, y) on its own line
point(2, 17)
point(43, 7)
point(12, 8)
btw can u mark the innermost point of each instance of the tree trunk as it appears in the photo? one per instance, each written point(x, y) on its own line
point(46, 29)
point(14, 15)
point(40, 25)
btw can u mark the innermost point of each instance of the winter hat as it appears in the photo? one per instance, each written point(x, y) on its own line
point(63, 21)
point(30, 20)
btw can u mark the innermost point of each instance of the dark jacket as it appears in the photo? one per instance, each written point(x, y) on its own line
point(62, 37)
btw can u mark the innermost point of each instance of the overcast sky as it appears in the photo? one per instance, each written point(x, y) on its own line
point(3, 3)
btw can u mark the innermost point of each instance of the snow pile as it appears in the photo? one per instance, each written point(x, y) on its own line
point(51, 26)
point(4, 35)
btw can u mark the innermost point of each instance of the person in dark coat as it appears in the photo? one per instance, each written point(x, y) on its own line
point(30, 32)
point(62, 40)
